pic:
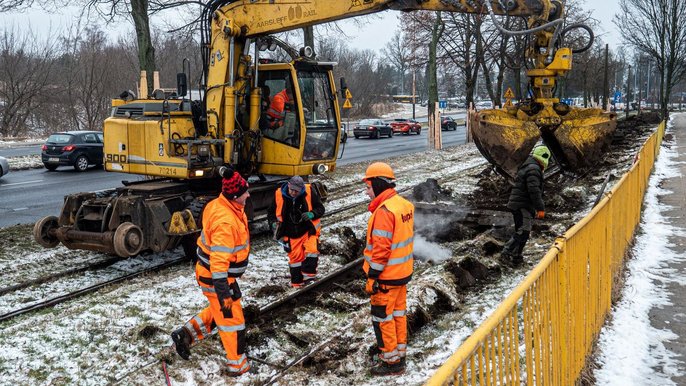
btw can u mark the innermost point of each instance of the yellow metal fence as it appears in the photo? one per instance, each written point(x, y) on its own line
point(543, 331)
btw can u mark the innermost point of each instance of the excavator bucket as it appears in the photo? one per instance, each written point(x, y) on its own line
point(577, 142)
point(582, 137)
point(502, 139)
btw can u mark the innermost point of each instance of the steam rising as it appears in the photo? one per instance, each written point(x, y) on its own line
point(430, 252)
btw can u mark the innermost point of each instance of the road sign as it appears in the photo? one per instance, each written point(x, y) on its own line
point(347, 104)
point(617, 98)
point(509, 94)
point(442, 104)
point(348, 94)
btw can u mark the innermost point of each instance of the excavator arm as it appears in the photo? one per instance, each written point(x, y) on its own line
point(504, 137)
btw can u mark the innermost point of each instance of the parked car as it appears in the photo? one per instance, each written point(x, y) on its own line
point(406, 126)
point(4, 166)
point(448, 123)
point(372, 128)
point(73, 148)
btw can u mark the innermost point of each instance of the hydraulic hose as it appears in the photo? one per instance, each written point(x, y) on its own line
point(518, 33)
point(588, 29)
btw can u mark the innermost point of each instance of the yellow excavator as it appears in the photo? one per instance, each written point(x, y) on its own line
point(178, 144)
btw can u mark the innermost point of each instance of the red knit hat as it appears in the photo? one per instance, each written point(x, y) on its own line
point(233, 184)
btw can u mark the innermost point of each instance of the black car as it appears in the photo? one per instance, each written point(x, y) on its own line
point(73, 148)
point(447, 123)
point(372, 128)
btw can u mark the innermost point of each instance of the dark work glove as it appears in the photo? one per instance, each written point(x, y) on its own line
point(224, 294)
point(307, 216)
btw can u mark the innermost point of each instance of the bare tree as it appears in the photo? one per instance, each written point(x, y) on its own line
point(397, 53)
point(657, 28)
point(26, 66)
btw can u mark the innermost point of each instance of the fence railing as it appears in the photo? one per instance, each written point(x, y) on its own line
point(542, 333)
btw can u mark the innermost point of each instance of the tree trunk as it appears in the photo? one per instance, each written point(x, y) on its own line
point(436, 33)
point(146, 51)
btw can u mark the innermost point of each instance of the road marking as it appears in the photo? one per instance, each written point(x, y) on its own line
point(22, 183)
point(18, 209)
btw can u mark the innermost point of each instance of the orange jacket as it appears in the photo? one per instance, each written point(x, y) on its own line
point(223, 247)
point(390, 234)
point(277, 107)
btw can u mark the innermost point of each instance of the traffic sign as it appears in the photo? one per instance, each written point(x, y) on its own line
point(347, 104)
point(442, 104)
point(509, 94)
point(348, 94)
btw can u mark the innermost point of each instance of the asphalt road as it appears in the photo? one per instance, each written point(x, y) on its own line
point(28, 195)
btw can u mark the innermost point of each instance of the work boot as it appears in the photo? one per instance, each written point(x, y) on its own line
point(297, 285)
point(182, 342)
point(384, 368)
point(373, 353)
point(506, 259)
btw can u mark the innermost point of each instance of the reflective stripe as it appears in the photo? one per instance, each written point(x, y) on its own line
point(191, 329)
point(221, 248)
point(202, 239)
point(318, 226)
point(379, 232)
point(280, 218)
point(399, 313)
point(399, 260)
point(238, 270)
point(369, 247)
point(402, 346)
point(231, 328)
point(238, 361)
point(402, 243)
point(373, 265)
point(312, 255)
point(204, 260)
point(219, 275)
point(294, 265)
point(390, 356)
point(241, 369)
point(388, 318)
point(210, 290)
point(201, 324)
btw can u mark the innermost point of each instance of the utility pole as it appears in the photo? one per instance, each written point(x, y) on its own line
point(640, 83)
point(606, 81)
point(628, 99)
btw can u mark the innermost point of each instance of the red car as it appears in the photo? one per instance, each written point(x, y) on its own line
point(406, 126)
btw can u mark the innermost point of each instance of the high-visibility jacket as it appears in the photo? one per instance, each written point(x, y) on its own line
point(291, 220)
point(277, 107)
point(223, 247)
point(390, 239)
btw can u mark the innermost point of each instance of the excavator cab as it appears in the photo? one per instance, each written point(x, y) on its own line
point(302, 137)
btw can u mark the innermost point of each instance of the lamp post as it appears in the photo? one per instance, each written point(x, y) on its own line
point(628, 90)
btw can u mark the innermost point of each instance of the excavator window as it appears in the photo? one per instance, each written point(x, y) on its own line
point(320, 116)
point(280, 120)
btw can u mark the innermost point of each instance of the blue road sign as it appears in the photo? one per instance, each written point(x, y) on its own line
point(442, 104)
point(617, 98)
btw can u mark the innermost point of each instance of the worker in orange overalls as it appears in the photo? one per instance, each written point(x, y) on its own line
point(294, 217)
point(278, 106)
point(223, 248)
point(388, 264)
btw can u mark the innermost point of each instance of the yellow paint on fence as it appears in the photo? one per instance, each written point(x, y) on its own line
point(564, 299)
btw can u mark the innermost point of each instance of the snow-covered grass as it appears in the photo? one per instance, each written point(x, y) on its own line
point(631, 349)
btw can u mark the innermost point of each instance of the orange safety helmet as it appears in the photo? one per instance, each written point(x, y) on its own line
point(379, 169)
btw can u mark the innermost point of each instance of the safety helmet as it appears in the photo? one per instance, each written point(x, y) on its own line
point(379, 169)
point(542, 154)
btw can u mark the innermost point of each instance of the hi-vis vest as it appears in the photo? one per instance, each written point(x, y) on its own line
point(278, 198)
point(218, 257)
point(277, 107)
point(397, 270)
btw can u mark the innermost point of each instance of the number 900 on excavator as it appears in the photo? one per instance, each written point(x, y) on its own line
point(270, 121)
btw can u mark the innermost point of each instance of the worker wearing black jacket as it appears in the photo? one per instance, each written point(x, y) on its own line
point(526, 202)
point(294, 217)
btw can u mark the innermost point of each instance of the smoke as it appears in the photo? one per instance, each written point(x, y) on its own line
point(433, 253)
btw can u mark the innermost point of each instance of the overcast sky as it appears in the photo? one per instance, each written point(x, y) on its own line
point(374, 35)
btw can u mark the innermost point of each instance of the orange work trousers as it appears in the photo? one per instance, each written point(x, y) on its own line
point(303, 258)
point(231, 326)
point(389, 319)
